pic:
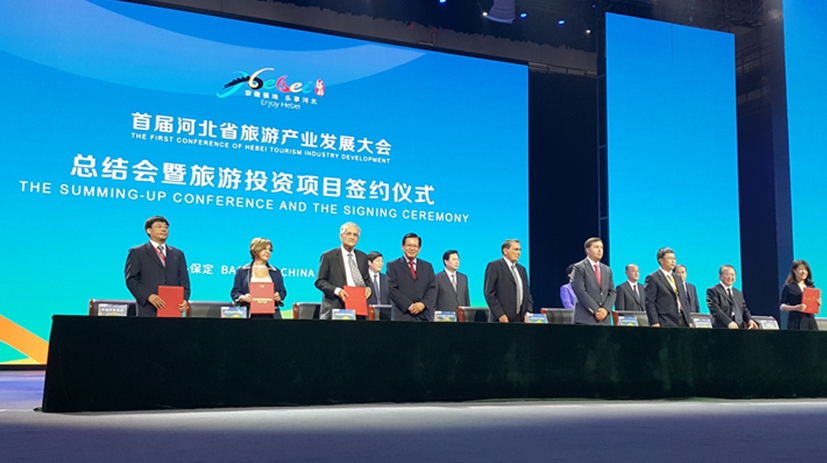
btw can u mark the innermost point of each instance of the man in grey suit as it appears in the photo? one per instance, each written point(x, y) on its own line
point(630, 293)
point(506, 286)
point(340, 267)
point(155, 264)
point(451, 286)
point(594, 287)
point(692, 301)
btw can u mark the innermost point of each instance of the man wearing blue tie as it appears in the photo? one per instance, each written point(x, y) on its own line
point(378, 280)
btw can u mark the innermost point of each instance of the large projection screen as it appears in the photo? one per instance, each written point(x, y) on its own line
point(113, 112)
point(672, 148)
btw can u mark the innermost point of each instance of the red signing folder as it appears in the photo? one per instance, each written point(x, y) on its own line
point(262, 298)
point(356, 299)
point(810, 298)
point(173, 296)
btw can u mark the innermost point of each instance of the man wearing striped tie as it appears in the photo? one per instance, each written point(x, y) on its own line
point(155, 264)
point(506, 286)
point(666, 303)
point(340, 267)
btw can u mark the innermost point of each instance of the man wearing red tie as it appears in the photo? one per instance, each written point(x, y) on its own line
point(411, 283)
point(594, 287)
point(155, 264)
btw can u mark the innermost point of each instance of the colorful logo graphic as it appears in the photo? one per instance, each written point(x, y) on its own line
point(256, 82)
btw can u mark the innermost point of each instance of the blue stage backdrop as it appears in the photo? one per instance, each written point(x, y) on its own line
point(804, 38)
point(672, 148)
point(113, 112)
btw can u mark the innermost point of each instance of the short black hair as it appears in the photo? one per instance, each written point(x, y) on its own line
point(664, 251)
point(373, 255)
point(447, 254)
point(569, 269)
point(411, 235)
point(151, 221)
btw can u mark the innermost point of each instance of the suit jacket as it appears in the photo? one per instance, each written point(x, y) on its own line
point(332, 275)
point(145, 273)
point(661, 304)
point(692, 298)
point(241, 285)
point(501, 291)
point(447, 298)
point(405, 290)
point(384, 291)
point(627, 299)
point(724, 309)
point(591, 296)
point(567, 296)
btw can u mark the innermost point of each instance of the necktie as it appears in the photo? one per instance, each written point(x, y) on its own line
point(519, 287)
point(637, 294)
point(376, 288)
point(160, 251)
point(354, 271)
point(597, 274)
point(413, 269)
point(454, 281)
point(672, 283)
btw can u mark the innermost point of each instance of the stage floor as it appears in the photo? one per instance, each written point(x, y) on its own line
point(542, 431)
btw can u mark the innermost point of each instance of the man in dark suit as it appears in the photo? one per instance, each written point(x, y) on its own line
point(340, 267)
point(594, 287)
point(665, 297)
point(412, 283)
point(155, 264)
point(506, 286)
point(726, 303)
point(380, 293)
point(691, 292)
point(630, 293)
point(452, 286)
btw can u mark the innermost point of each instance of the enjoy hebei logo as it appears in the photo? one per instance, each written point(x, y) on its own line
point(277, 91)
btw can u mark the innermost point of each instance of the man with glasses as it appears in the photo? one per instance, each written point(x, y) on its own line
point(340, 267)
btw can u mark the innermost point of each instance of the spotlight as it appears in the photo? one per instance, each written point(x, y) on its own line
point(588, 31)
point(503, 11)
point(523, 15)
point(561, 22)
point(442, 1)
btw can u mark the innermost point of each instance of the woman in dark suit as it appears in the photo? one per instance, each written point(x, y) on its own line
point(791, 294)
point(258, 271)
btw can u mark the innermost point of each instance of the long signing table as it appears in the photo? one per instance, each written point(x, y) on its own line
point(120, 363)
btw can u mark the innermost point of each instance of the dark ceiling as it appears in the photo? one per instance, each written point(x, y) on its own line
point(542, 21)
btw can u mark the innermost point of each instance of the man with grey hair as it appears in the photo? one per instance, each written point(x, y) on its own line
point(726, 303)
point(340, 267)
point(506, 286)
